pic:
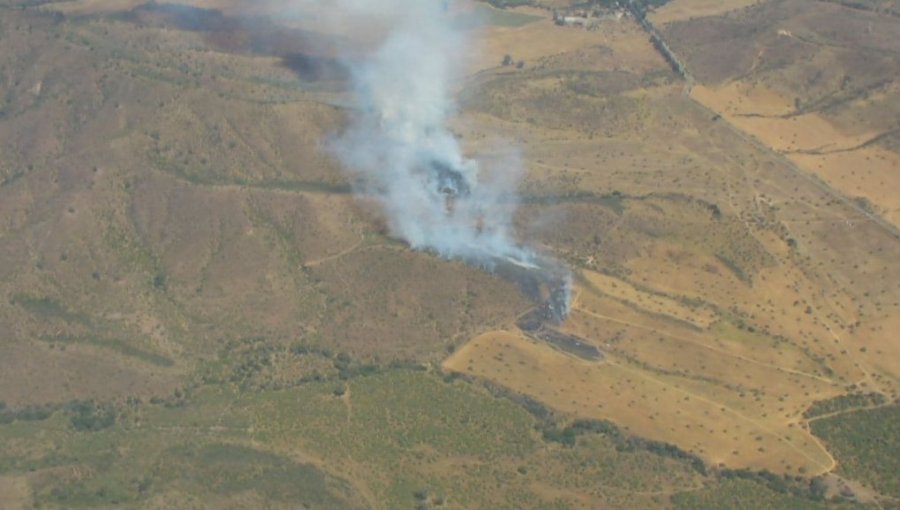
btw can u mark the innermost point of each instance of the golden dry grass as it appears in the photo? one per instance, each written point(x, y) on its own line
point(710, 421)
point(16, 493)
point(752, 316)
point(669, 338)
point(81, 7)
point(679, 10)
point(657, 304)
point(537, 41)
point(717, 331)
point(41, 372)
point(779, 299)
point(870, 173)
point(841, 158)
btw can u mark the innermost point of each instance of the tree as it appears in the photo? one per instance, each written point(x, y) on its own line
point(88, 416)
point(818, 488)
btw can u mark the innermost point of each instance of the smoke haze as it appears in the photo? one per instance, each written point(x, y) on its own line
point(400, 148)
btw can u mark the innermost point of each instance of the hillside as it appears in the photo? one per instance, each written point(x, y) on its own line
point(198, 311)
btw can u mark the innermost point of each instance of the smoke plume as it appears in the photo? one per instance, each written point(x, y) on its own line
point(400, 148)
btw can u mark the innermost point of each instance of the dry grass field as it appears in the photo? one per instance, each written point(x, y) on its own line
point(849, 162)
point(735, 288)
point(197, 311)
point(816, 85)
point(689, 9)
point(702, 416)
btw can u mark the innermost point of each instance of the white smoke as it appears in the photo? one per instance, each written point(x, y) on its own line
point(399, 144)
point(400, 148)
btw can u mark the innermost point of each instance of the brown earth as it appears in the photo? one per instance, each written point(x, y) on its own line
point(163, 192)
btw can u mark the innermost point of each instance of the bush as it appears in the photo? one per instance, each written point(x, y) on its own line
point(85, 415)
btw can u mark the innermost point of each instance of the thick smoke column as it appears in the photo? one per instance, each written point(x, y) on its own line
point(400, 147)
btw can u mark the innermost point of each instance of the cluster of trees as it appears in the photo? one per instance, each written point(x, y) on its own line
point(813, 489)
point(89, 416)
point(568, 436)
point(347, 369)
point(844, 403)
point(253, 364)
point(503, 4)
point(28, 413)
point(84, 415)
point(508, 61)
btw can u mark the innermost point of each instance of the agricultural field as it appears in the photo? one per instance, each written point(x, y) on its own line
point(199, 308)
